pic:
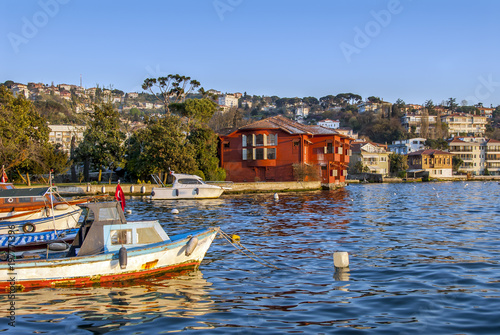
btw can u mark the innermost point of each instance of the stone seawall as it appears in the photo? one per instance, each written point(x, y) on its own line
point(145, 189)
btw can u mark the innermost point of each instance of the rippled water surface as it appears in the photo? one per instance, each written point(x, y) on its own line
point(424, 258)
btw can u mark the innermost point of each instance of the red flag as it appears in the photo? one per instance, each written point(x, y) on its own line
point(119, 196)
point(4, 175)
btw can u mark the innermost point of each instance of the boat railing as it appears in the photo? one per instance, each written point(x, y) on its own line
point(157, 180)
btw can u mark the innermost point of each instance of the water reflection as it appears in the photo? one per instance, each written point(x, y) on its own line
point(184, 295)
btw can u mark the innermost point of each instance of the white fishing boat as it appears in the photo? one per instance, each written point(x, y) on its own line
point(29, 210)
point(107, 248)
point(185, 186)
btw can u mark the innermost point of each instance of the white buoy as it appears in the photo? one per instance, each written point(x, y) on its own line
point(174, 211)
point(276, 196)
point(129, 211)
point(341, 259)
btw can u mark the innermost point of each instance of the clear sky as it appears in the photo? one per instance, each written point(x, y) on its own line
point(415, 50)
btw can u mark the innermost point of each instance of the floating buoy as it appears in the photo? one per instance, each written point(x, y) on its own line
point(174, 211)
point(58, 246)
point(341, 259)
point(122, 256)
point(276, 196)
point(191, 245)
point(235, 238)
point(129, 211)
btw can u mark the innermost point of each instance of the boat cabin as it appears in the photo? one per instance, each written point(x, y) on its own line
point(25, 198)
point(105, 229)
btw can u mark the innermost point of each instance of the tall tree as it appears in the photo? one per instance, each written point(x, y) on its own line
point(160, 147)
point(24, 134)
point(102, 140)
point(173, 88)
point(205, 142)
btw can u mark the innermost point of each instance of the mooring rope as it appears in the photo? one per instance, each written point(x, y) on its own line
point(238, 244)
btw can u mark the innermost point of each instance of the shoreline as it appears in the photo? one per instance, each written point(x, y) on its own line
point(244, 188)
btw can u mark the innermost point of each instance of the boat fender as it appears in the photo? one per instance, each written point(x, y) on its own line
point(176, 192)
point(47, 211)
point(122, 256)
point(197, 191)
point(10, 200)
point(61, 207)
point(58, 246)
point(191, 245)
point(152, 193)
point(29, 228)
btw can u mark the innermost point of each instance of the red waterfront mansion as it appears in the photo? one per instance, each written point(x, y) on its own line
point(267, 150)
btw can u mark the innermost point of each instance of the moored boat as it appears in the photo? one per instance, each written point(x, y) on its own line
point(108, 248)
point(36, 209)
point(186, 186)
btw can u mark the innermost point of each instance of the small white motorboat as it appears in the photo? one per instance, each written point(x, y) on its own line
point(185, 186)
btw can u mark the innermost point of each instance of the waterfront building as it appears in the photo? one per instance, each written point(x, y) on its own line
point(373, 155)
point(479, 155)
point(438, 163)
point(279, 149)
point(404, 147)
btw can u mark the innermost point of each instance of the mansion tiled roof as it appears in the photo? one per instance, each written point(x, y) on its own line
point(429, 152)
point(289, 126)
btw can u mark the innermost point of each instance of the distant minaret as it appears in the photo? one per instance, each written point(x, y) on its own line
point(80, 80)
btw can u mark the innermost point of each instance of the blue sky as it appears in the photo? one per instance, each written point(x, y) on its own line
point(409, 49)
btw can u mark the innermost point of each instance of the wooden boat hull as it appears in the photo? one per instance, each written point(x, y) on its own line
point(141, 261)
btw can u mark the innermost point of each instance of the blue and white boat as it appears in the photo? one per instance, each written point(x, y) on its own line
point(108, 248)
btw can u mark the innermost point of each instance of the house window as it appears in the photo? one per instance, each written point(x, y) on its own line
point(271, 153)
point(272, 139)
point(259, 153)
point(259, 139)
point(243, 140)
point(244, 154)
point(329, 148)
point(226, 144)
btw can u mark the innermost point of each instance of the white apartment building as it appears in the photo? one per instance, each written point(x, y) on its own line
point(332, 124)
point(465, 124)
point(227, 101)
point(478, 154)
point(414, 121)
point(62, 134)
point(404, 147)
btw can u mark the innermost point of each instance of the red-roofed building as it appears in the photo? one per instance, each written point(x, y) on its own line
point(438, 163)
point(278, 149)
